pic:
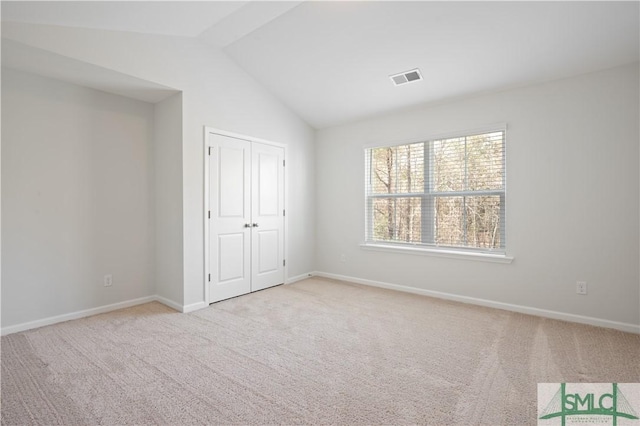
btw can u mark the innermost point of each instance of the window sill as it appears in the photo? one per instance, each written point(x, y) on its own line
point(438, 252)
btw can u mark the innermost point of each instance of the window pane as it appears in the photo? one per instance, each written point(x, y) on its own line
point(383, 219)
point(483, 221)
point(449, 221)
point(448, 165)
point(408, 219)
point(410, 166)
point(397, 219)
point(485, 161)
point(444, 181)
point(398, 169)
point(382, 170)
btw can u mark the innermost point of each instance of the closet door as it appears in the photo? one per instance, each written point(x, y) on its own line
point(246, 216)
point(267, 216)
point(230, 223)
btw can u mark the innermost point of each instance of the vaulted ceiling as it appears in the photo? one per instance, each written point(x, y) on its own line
point(330, 61)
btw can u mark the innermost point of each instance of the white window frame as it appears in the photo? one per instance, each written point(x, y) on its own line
point(472, 253)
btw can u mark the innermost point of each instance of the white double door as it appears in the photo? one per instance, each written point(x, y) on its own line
point(246, 224)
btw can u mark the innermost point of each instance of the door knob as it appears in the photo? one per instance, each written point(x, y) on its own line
point(247, 225)
point(255, 225)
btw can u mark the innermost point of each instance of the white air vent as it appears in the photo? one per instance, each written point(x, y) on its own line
point(406, 77)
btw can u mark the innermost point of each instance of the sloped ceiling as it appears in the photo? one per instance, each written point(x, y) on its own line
point(330, 61)
point(26, 58)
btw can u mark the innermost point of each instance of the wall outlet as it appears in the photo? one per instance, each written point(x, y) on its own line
point(108, 280)
point(581, 287)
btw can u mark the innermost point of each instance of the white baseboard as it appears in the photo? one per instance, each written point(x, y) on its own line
point(75, 315)
point(194, 307)
point(631, 328)
point(297, 278)
point(168, 302)
point(100, 310)
point(628, 327)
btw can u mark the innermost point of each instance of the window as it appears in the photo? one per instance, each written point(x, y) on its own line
point(442, 193)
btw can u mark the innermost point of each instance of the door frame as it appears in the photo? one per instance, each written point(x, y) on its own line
point(207, 222)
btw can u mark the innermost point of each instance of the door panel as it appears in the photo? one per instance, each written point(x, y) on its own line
point(246, 227)
point(230, 198)
point(230, 257)
point(268, 244)
point(267, 206)
point(268, 168)
point(232, 181)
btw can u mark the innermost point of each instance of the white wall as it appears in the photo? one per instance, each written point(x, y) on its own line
point(572, 197)
point(168, 196)
point(216, 93)
point(77, 198)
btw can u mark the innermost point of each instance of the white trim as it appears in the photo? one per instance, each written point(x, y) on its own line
point(498, 127)
point(169, 303)
point(297, 278)
point(563, 316)
point(182, 308)
point(101, 310)
point(241, 136)
point(75, 315)
point(207, 209)
point(429, 195)
point(438, 252)
point(207, 267)
point(287, 211)
point(627, 327)
point(194, 307)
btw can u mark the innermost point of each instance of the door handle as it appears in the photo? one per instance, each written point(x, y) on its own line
point(255, 225)
point(247, 225)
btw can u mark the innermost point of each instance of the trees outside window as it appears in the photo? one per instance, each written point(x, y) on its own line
point(442, 192)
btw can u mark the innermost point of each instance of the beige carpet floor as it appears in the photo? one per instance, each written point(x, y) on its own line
point(314, 352)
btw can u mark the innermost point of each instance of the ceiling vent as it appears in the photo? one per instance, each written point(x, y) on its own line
point(406, 77)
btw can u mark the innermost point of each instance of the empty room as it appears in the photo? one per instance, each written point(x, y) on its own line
point(320, 212)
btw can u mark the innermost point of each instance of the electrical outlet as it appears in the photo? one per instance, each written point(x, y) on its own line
point(581, 287)
point(108, 280)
